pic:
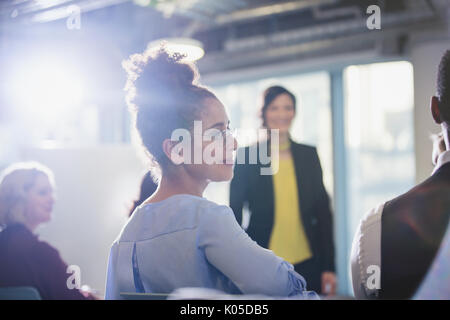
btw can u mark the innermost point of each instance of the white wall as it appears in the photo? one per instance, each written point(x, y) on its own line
point(95, 188)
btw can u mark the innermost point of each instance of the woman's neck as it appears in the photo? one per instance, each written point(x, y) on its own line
point(283, 138)
point(179, 182)
point(31, 226)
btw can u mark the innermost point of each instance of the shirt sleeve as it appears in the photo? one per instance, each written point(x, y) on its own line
point(253, 269)
point(366, 255)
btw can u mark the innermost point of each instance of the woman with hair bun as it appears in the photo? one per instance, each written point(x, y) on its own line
point(177, 238)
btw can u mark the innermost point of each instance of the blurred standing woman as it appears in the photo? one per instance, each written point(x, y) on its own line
point(290, 212)
point(26, 201)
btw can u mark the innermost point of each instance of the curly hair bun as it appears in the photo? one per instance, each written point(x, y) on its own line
point(163, 71)
point(164, 94)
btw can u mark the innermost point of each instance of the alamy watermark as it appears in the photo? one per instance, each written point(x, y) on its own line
point(373, 281)
point(374, 20)
point(73, 281)
point(73, 22)
point(190, 149)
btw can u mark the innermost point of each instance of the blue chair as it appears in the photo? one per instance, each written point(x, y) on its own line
point(19, 293)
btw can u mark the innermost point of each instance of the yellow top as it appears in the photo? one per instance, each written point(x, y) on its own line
point(288, 239)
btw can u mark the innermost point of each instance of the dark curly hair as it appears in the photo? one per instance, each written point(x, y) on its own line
point(163, 94)
point(443, 86)
point(269, 95)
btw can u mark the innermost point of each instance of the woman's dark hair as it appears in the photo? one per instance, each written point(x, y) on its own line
point(269, 95)
point(163, 94)
point(443, 86)
point(148, 187)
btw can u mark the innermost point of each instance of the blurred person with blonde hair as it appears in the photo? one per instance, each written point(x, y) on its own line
point(26, 201)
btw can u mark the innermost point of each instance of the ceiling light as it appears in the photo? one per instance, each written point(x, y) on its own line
point(192, 49)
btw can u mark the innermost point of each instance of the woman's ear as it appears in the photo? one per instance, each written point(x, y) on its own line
point(435, 112)
point(174, 154)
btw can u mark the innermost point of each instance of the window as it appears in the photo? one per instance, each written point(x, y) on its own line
point(379, 135)
point(377, 130)
point(312, 124)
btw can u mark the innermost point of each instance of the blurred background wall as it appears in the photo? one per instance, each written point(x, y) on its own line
point(363, 98)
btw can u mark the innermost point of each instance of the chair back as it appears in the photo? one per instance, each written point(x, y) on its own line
point(143, 296)
point(19, 293)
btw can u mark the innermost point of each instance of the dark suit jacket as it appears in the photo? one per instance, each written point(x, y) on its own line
point(250, 187)
point(412, 228)
point(27, 261)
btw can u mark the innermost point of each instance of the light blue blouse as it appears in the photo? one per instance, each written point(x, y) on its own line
point(188, 241)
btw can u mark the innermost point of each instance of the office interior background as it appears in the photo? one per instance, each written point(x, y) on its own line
point(363, 99)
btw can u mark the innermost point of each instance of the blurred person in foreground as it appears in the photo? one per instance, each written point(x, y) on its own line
point(26, 202)
point(436, 284)
point(397, 241)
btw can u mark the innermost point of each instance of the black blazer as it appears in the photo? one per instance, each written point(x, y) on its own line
point(412, 228)
point(250, 187)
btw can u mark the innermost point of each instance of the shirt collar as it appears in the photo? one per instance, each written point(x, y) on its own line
point(443, 158)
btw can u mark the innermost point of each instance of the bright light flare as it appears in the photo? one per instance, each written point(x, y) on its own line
point(47, 86)
point(48, 90)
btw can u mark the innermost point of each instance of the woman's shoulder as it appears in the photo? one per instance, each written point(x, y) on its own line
point(303, 147)
point(19, 237)
point(45, 252)
point(190, 201)
point(306, 153)
point(178, 212)
point(203, 205)
point(27, 243)
point(207, 212)
point(212, 217)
